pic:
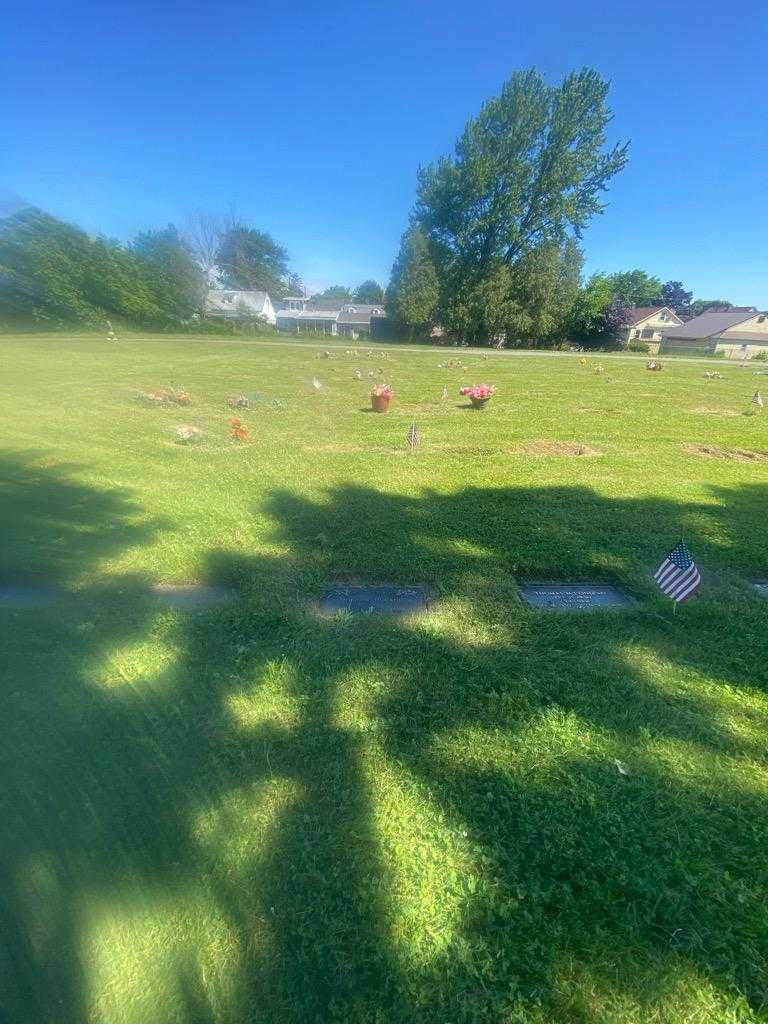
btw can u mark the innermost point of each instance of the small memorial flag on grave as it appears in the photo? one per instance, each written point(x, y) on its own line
point(414, 437)
point(678, 576)
point(758, 400)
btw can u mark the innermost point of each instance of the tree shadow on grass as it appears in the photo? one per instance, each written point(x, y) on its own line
point(243, 833)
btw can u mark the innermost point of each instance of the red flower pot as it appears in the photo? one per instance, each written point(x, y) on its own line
point(380, 403)
point(479, 403)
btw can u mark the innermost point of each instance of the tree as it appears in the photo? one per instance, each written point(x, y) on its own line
point(252, 260)
point(699, 306)
point(676, 297)
point(336, 291)
point(636, 288)
point(369, 292)
point(202, 235)
point(528, 170)
point(545, 286)
point(414, 289)
point(178, 280)
point(295, 285)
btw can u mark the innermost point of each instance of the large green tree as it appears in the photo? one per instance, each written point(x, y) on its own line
point(178, 279)
point(528, 171)
point(636, 288)
point(414, 289)
point(252, 260)
point(699, 306)
point(53, 272)
point(369, 292)
point(338, 292)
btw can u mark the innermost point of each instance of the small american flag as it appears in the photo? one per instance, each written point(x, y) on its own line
point(758, 400)
point(414, 437)
point(677, 576)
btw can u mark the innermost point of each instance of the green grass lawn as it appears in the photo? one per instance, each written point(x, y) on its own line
point(250, 813)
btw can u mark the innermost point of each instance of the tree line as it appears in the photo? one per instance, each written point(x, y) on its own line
point(492, 250)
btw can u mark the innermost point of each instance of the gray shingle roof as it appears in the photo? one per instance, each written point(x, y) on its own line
point(710, 323)
point(359, 313)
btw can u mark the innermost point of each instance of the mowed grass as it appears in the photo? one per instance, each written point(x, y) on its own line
point(250, 813)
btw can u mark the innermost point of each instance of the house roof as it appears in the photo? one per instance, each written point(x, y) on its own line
point(643, 312)
point(713, 322)
point(307, 314)
point(359, 313)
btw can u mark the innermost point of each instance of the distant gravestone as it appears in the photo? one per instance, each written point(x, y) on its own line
point(761, 586)
point(25, 596)
point(371, 600)
point(574, 597)
point(189, 596)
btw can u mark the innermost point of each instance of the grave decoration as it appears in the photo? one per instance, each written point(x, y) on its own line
point(479, 394)
point(757, 400)
point(381, 396)
point(164, 396)
point(188, 433)
point(574, 597)
point(413, 437)
point(240, 402)
point(678, 576)
point(238, 431)
point(654, 364)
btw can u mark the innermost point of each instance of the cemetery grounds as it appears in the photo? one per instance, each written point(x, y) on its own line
point(246, 810)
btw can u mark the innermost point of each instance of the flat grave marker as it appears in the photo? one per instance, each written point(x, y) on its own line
point(385, 599)
point(26, 595)
point(574, 597)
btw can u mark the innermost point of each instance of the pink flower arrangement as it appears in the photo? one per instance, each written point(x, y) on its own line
point(479, 391)
point(382, 391)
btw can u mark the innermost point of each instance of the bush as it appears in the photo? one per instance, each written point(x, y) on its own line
point(638, 346)
point(762, 355)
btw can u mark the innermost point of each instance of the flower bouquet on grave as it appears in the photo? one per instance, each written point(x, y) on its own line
point(381, 396)
point(239, 402)
point(238, 431)
point(188, 433)
point(479, 394)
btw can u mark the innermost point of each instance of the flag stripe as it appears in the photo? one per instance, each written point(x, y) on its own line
point(678, 576)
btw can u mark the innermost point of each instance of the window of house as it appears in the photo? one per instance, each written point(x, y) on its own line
point(647, 332)
point(663, 316)
point(761, 319)
point(636, 333)
point(351, 309)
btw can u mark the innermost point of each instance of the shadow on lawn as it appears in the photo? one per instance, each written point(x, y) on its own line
point(242, 788)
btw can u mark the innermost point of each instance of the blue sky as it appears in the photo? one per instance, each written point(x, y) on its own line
point(310, 120)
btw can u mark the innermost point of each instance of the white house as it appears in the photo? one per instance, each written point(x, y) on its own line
point(351, 319)
point(231, 303)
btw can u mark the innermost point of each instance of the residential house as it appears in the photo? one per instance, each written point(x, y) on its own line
point(739, 332)
point(302, 321)
point(646, 323)
point(350, 319)
point(232, 303)
point(355, 318)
